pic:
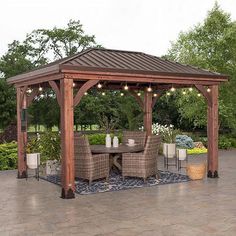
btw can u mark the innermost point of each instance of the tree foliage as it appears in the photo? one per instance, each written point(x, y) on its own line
point(212, 46)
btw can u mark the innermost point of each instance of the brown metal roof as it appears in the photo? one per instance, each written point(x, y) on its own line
point(108, 60)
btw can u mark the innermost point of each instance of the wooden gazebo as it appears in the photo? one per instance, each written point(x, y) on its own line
point(114, 69)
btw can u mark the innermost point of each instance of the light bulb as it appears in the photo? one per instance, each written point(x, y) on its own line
point(139, 94)
point(149, 89)
point(103, 94)
point(184, 92)
point(73, 84)
point(85, 93)
point(208, 90)
point(30, 90)
point(168, 93)
point(190, 89)
point(40, 88)
point(121, 94)
point(154, 95)
point(172, 89)
point(126, 87)
point(42, 95)
point(99, 85)
point(199, 95)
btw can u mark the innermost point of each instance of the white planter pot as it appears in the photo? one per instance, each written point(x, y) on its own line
point(33, 160)
point(169, 150)
point(51, 167)
point(182, 154)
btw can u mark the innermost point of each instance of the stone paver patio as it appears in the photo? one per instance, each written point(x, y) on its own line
point(194, 208)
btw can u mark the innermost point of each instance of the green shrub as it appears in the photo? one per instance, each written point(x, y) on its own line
point(49, 146)
point(224, 142)
point(100, 139)
point(196, 151)
point(8, 156)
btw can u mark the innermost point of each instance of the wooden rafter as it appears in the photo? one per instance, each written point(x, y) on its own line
point(32, 96)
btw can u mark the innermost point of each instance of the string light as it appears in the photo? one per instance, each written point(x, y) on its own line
point(103, 94)
point(73, 84)
point(208, 90)
point(199, 95)
point(154, 95)
point(126, 87)
point(168, 93)
point(184, 92)
point(149, 89)
point(85, 93)
point(42, 95)
point(40, 88)
point(172, 89)
point(190, 89)
point(99, 85)
point(121, 94)
point(139, 94)
point(30, 90)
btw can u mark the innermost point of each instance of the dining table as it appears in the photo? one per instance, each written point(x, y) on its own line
point(116, 152)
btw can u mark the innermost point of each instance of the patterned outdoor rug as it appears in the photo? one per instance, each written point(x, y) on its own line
point(116, 183)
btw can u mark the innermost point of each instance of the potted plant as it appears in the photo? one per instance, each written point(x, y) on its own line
point(50, 151)
point(183, 143)
point(168, 134)
point(32, 153)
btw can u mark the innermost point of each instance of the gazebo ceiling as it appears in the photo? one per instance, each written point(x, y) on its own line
point(116, 62)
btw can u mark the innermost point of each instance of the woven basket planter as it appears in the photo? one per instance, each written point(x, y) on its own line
point(196, 171)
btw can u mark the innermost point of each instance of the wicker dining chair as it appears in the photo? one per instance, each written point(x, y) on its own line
point(88, 166)
point(138, 136)
point(142, 164)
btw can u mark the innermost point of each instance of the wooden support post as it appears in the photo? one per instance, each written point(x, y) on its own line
point(67, 139)
point(148, 112)
point(212, 132)
point(21, 134)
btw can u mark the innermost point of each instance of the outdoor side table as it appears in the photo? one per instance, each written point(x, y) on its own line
point(182, 156)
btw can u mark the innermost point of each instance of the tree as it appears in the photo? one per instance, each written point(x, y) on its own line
point(36, 50)
point(60, 42)
point(212, 46)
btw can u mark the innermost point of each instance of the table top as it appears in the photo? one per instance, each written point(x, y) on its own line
point(98, 149)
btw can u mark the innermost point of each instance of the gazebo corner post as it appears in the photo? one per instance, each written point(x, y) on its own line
point(67, 139)
point(148, 112)
point(21, 132)
point(212, 132)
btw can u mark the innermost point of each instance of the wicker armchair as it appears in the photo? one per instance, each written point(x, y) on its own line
point(138, 136)
point(88, 166)
point(142, 164)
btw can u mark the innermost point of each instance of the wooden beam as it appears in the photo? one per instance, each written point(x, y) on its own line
point(138, 99)
point(212, 132)
point(85, 87)
point(21, 135)
point(67, 139)
point(142, 78)
point(56, 89)
point(204, 92)
point(148, 112)
point(38, 80)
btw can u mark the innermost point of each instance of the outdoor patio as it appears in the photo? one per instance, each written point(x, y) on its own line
point(205, 207)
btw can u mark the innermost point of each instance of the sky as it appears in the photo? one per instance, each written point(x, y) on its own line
point(136, 25)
